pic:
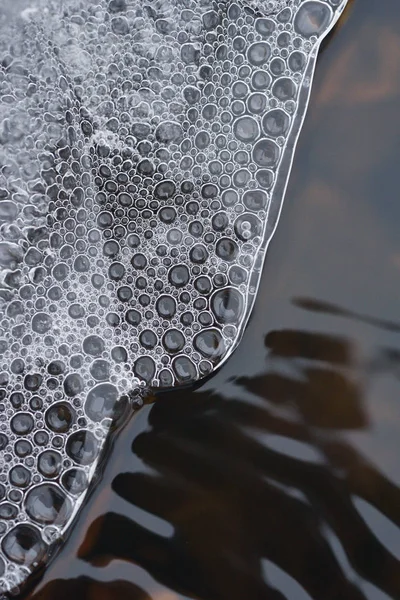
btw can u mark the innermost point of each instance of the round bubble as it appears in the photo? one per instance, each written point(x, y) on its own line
point(41, 323)
point(93, 345)
point(24, 545)
point(100, 402)
point(75, 481)
point(246, 129)
point(22, 423)
point(297, 61)
point(184, 369)
point(82, 447)
point(255, 200)
point(47, 504)
point(266, 153)
point(276, 123)
point(312, 18)
point(284, 89)
point(100, 370)
point(73, 384)
point(49, 463)
point(173, 341)
point(60, 417)
point(226, 249)
point(227, 305)
point(259, 53)
point(210, 344)
point(144, 368)
point(20, 476)
point(166, 307)
point(247, 226)
point(198, 254)
point(148, 339)
point(179, 276)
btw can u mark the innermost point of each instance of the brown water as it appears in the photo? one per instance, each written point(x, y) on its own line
point(279, 477)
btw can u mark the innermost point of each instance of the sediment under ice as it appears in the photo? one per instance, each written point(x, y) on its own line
point(145, 147)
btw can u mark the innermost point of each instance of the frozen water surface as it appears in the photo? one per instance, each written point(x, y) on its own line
point(145, 148)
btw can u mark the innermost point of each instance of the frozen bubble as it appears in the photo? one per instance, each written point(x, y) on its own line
point(198, 254)
point(255, 200)
point(246, 129)
point(60, 417)
point(144, 368)
point(49, 463)
point(184, 369)
point(166, 378)
point(148, 339)
point(210, 344)
point(259, 53)
point(75, 481)
point(169, 132)
point(41, 323)
point(22, 423)
point(173, 341)
point(82, 447)
point(20, 476)
point(227, 305)
point(93, 345)
point(284, 89)
point(73, 384)
point(297, 61)
point(24, 546)
point(237, 275)
point(10, 255)
point(100, 402)
point(266, 153)
point(226, 249)
point(47, 504)
point(179, 275)
point(265, 178)
point(166, 307)
point(120, 25)
point(164, 190)
point(119, 354)
point(8, 511)
point(312, 18)
point(100, 370)
point(247, 226)
point(220, 221)
point(276, 122)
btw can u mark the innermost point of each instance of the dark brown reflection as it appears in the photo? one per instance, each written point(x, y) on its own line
point(250, 485)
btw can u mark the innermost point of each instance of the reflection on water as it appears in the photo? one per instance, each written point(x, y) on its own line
point(279, 477)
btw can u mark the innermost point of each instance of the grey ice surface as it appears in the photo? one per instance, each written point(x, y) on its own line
point(145, 148)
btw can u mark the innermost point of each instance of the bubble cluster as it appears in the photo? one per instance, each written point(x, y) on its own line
point(145, 147)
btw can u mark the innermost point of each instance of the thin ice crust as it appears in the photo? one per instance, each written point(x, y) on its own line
point(145, 149)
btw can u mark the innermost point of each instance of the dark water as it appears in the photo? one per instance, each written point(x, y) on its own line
point(279, 477)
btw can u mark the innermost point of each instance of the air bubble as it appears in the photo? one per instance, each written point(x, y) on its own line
point(227, 305)
point(24, 546)
point(210, 344)
point(82, 447)
point(48, 505)
point(100, 402)
point(312, 18)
